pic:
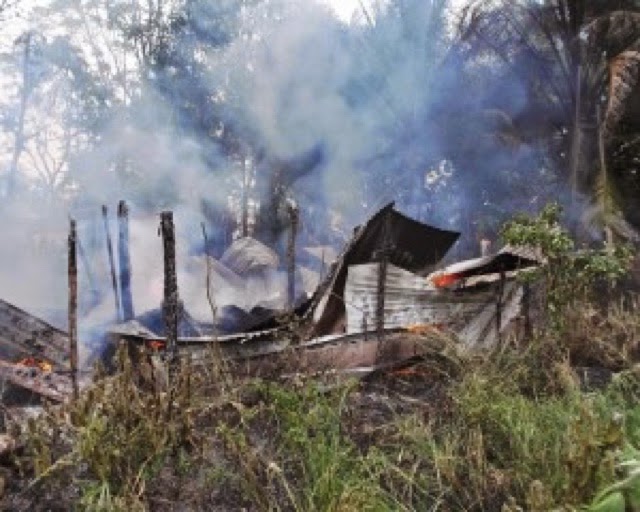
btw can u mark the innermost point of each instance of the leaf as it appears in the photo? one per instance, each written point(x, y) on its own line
point(613, 502)
point(624, 75)
point(614, 33)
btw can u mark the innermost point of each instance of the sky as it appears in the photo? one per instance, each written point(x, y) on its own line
point(345, 9)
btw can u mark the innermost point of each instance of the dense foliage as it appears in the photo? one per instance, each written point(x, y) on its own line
point(457, 115)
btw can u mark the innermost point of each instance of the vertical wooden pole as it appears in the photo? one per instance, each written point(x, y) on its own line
point(124, 260)
point(291, 256)
point(526, 310)
point(382, 281)
point(73, 307)
point(170, 304)
point(500, 305)
point(383, 262)
point(112, 265)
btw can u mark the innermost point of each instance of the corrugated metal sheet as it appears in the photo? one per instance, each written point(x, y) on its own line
point(411, 300)
point(410, 244)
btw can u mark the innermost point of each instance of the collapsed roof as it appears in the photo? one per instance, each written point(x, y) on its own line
point(409, 245)
point(23, 335)
point(26, 340)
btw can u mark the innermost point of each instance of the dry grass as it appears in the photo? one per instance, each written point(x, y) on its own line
point(511, 430)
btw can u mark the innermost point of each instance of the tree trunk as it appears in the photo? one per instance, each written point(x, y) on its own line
point(19, 138)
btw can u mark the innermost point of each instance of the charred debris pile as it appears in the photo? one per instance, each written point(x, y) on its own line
point(398, 382)
point(378, 303)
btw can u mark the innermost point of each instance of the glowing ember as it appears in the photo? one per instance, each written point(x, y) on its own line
point(408, 372)
point(157, 345)
point(444, 280)
point(423, 328)
point(32, 362)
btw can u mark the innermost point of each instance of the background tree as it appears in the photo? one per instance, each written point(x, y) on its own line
point(568, 59)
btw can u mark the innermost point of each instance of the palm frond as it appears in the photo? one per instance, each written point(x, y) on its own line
point(605, 212)
point(624, 77)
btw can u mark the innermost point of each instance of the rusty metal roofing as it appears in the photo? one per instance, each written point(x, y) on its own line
point(413, 300)
point(412, 245)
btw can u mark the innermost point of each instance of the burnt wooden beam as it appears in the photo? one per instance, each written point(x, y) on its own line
point(124, 260)
point(52, 385)
point(382, 255)
point(380, 294)
point(500, 305)
point(73, 306)
point(23, 335)
point(291, 255)
point(171, 301)
point(112, 265)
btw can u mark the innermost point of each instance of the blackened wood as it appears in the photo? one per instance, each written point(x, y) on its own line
point(170, 304)
point(124, 259)
point(24, 335)
point(500, 306)
point(73, 306)
point(383, 259)
point(526, 310)
point(291, 256)
point(382, 279)
point(112, 265)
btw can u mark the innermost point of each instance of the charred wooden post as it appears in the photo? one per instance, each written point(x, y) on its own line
point(500, 305)
point(291, 255)
point(124, 260)
point(171, 301)
point(73, 306)
point(526, 310)
point(383, 260)
point(381, 291)
point(112, 265)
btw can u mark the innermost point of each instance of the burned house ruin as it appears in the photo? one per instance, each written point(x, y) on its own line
point(377, 305)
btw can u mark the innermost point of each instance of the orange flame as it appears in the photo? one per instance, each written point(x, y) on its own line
point(156, 345)
point(407, 372)
point(32, 362)
point(444, 280)
point(423, 328)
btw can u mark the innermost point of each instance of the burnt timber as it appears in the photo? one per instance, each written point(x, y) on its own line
point(472, 301)
point(24, 335)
